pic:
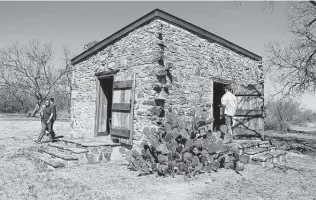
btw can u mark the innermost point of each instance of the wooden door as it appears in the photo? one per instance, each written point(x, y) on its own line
point(250, 108)
point(123, 107)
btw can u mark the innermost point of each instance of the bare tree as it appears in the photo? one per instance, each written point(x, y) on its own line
point(293, 66)
point(28, 69)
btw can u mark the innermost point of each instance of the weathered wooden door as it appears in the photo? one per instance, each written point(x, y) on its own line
point(122, 107)
point(249, 117)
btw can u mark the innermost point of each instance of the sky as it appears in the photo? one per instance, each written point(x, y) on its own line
point(73, 24)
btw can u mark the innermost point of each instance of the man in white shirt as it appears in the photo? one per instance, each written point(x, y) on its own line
point(229, 102)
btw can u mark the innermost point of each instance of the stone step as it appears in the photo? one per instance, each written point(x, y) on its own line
point(251, 143)
point(250, 153)
point(58, 154)
point(88, 142)
point(245, 148)
point(55, 163)
point(57, 145)
point(74, 150)
point(98, 144)
point(267, 159)
point(257, 150)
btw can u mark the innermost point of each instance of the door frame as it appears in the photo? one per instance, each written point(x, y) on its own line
point(99, 76)
point(217, 119)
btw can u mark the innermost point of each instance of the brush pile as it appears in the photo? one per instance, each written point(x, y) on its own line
point(187, 148)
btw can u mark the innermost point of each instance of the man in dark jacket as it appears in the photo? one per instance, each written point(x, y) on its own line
point(46, 121)
point(53, 109)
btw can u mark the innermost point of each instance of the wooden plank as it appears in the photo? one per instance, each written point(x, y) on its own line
point(104, 73)
point(248, 90)
point(244, 112)
point(131, 119)
point(121, 107)
point(122, 97)
point(251, 123)
point(250, 102)
point(123, 84)
point(125, 133)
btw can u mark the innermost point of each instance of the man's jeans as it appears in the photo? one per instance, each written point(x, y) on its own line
point(45, 127)
point(229, 124)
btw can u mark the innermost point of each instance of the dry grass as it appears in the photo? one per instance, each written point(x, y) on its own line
point(23, 178)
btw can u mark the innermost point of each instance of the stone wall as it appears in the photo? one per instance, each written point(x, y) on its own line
point(135, 53)
point(172, 66)
point(192, 53)
point(195, 64)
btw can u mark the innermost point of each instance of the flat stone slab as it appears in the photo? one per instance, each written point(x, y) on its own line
point(59, 154)
point(267, 156)
point(71, 149)
point(49, 161)
point(257, 150)
point(248, 145)
point(76, 150)
point(73, 141)
point(97, 144)
point(57, 145)
point(262, 158)
point(90, 142)
point(252, 151)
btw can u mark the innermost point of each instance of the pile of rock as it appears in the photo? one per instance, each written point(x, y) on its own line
point(187, 148)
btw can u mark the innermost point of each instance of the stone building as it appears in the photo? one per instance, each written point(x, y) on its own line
point(130, 79)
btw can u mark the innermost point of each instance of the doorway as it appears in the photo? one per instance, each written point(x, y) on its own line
point(218, 92)
point(104, 105)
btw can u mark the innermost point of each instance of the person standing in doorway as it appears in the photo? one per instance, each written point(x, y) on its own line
point(46, 116)
point(229, 102)
point(53, 118)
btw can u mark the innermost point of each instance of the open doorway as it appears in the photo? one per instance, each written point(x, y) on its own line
point(218, 92)
point(104, 106)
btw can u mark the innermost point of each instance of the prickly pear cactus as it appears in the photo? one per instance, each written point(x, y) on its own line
point(187, 148)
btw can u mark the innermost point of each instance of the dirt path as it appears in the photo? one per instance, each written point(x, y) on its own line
point(22, 178)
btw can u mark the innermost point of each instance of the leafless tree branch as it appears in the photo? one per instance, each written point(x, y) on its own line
point(29, 69)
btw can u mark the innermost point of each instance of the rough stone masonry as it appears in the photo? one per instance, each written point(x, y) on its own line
point(171, 64)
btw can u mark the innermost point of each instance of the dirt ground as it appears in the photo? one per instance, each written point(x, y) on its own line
point(23, 178)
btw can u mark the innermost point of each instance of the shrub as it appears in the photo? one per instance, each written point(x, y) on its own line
point(282, 113)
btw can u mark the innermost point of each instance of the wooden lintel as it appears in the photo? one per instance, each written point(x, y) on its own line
point(105, 73)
